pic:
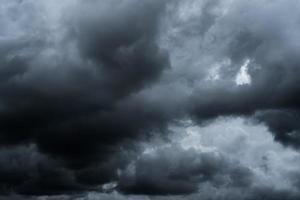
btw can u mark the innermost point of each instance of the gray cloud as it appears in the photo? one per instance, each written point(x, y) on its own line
point(67, 86)
point(84, 83)
point(173, 170)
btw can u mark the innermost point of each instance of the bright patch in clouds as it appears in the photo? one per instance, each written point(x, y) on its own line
point(246, 144)
point(243, 78)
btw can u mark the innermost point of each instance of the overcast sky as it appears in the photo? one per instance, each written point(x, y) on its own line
point(149, 99)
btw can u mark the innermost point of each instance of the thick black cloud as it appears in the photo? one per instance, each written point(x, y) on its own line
point(24, 170)
point(78, 107)
point(107, 73)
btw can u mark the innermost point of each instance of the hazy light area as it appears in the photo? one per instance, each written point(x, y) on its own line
point(243, 78)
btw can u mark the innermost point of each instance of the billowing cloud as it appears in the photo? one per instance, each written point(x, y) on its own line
point(262, 34)
point(172, 170)
point(230, 158)
point(84, 85)
point(68, 81)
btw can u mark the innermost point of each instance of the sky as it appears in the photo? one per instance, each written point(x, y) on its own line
point(149, 100)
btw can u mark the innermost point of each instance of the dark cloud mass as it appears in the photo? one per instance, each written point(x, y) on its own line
point(173, 170)
point(76, 108)
point(93, 95)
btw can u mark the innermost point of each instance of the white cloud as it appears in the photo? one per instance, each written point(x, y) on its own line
point(243, 78)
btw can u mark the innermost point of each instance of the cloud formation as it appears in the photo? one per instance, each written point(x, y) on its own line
point(173, 170)
point(84, 84)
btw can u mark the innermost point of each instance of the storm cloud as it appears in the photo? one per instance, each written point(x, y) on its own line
point(125, 99)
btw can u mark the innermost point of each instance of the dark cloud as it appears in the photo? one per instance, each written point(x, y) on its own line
point(173, 170)
point(73, 97)
point(83, 83)
point(24, 170)
point(283, 123)
point(121, 42)
point(253, 33)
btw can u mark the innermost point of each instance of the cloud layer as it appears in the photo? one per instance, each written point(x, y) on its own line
point(84, 85)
